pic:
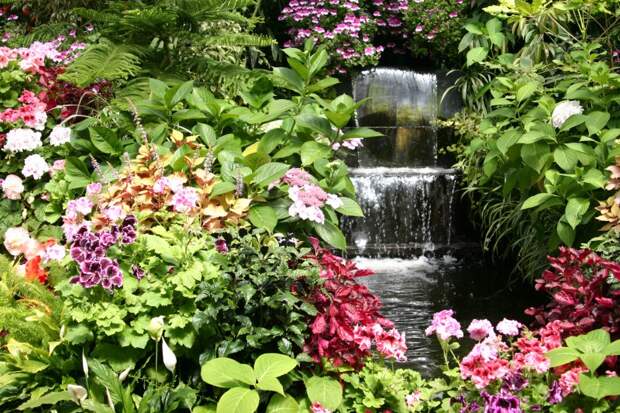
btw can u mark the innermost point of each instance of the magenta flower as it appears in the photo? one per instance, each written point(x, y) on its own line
point(445, 326)
point(480, 329)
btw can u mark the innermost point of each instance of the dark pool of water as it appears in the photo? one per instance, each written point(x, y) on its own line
point(413, 290)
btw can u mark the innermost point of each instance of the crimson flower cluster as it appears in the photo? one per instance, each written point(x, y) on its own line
point(348, 320)
point(583, 294)
point(89, 250)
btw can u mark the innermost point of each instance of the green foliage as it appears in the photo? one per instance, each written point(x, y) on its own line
point(244, 382)
point(535, 185)
point(103, 61)
point(591, 349)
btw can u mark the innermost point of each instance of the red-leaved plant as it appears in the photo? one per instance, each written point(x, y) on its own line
point(584, 294)
point(349, 319)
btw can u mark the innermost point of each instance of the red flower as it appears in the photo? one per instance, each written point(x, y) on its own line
point(34, 270)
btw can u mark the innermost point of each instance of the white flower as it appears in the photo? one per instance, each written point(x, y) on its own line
point(274, 124)
point(565, 110)
point(55, 253)
point(156, 328)
point(84, 364)
point(78, 393)
point(35, 166)
point(18, 140)
point(509, 327)
point(15, 240)
point(32, 249)
point(40, 117)
point(12, 187)
point(60, 135)
point(333, 201)
point(170, 360)
point(123, 375)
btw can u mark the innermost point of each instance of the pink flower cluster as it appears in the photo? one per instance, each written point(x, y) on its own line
point(391, 343)
point(308, 198)
point(184, 199)
point(32, 112)
point(445, 326)
point(33, 58)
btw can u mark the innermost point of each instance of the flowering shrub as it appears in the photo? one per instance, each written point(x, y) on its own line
point(360, 31)
point(348, 322)
point(583, 292)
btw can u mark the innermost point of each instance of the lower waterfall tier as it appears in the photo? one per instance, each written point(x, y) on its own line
point(408, 211)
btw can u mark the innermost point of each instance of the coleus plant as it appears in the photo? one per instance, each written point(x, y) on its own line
point(583, 291)
point(348, 322)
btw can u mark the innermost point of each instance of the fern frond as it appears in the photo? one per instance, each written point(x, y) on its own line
point(237, 40)
point(103, 61)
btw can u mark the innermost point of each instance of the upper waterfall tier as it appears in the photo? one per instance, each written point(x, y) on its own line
point(402, 97)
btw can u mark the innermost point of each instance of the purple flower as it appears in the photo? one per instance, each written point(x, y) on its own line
point(221, 246)
point(514, 382)
point(137, 272)
point(555, 393)
point(502, 402)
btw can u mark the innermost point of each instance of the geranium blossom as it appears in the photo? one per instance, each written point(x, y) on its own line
point(445, 326)
point(12, 186)
point(508, 327)
point(480, 329)
point(60, 135)
point(16, 240)
point(22, 140)
point(35, 166)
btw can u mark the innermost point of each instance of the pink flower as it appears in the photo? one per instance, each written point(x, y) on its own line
point(413, 398)
point(392, 345)
point(184, 200)
point(94, 188)
point(16, 240)
point(297, 177)
point(445, 326)
point(318, 408)
point(58, 165)
point(569, 380)
point(509, 327)
point(480, 329)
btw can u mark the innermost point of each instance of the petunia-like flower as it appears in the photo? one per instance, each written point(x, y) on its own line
point(565, 110)
point(13, 187)
point(509, 327)
point(35, 166)
point(445, 326)
point(480, 329)
point(502, 402)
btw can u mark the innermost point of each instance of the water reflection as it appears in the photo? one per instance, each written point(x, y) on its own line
point(412, 290)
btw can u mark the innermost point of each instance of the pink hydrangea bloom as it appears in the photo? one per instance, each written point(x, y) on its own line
point(297, 177)
point(480, 329)
point(445, 326)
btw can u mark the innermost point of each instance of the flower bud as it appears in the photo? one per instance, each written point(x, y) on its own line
point(156, 328)
point(78, 393)
point(170, 360)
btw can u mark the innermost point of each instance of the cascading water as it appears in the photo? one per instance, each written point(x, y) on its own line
point(406, 195)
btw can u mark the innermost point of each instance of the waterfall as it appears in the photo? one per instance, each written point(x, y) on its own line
point(406, 195)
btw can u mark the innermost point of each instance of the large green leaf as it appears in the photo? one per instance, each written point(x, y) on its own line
point(476, 55)
point(350, 208)
point(238, 400)
point(311, 151)
point(599, 387)
point(565, 232)
point(282, 404)
point(105, 140)
point(562, 355)
point(576, 208)
point(273, 365)
point(49, 398)
point(535, 155)
point(537, 200)
point(270, 172)
point(566, 158)
point(595, 121)
point(226, 372)
point(324, 390)
point(270, 384)
point(331, 234)
point(263, 216)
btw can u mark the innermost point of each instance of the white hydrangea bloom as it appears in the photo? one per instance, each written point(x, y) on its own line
point(565, 110)
point(60, 135)
point(21, 139)
point(35, 166)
